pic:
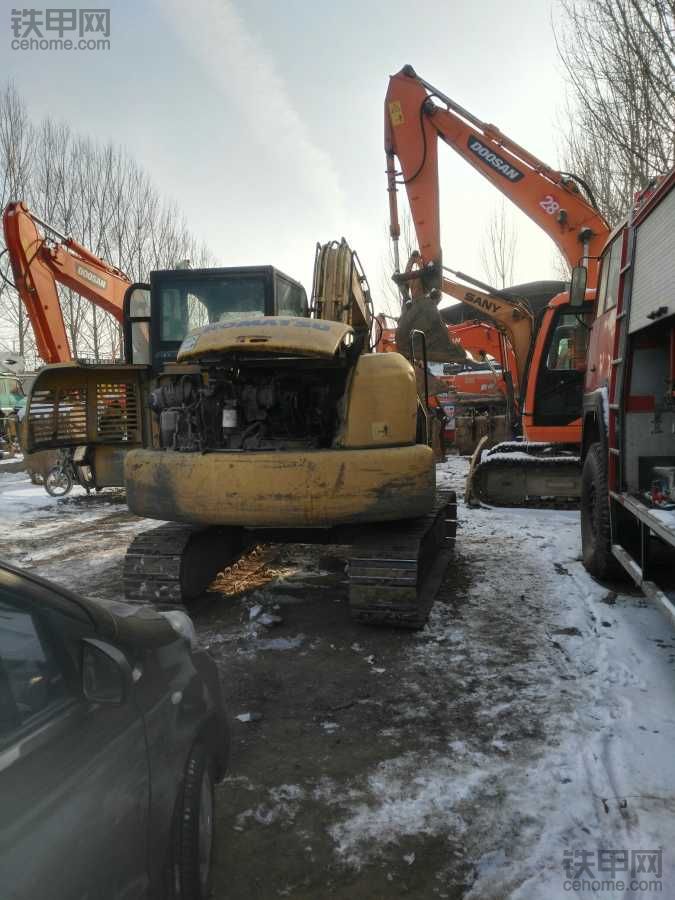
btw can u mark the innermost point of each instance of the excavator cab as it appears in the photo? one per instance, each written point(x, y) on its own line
point(160, 315)
point(101, 411)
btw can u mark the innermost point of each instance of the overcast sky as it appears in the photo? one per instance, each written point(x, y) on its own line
point(263, 120)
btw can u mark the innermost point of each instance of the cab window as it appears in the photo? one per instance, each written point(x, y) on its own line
point(180, 313)
point(192, 302)
point(291, 298)
point(609, 280)
point(569, 343)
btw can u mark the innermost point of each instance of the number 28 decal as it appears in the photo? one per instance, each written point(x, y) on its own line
point(550, 205)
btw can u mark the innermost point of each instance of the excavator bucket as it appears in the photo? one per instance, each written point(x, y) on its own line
point(423, 315)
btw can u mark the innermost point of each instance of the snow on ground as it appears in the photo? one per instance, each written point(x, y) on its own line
point(533, 718)
point(560, 697)
point(77, 541)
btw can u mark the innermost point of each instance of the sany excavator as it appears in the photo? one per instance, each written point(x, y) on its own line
point(476, 394)
point(39, 262)
point(244, 415)
point(546, 463)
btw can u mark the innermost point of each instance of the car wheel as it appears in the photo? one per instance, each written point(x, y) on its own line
point(595, 526)
point(194, 828)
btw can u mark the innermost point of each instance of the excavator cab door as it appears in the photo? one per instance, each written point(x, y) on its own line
point(137, 324)
point(560, 377)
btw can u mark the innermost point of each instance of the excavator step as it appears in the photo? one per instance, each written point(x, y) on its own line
point(395, 572)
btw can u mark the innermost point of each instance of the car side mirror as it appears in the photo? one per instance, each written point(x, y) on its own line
point(578, 286)
point(106, 673)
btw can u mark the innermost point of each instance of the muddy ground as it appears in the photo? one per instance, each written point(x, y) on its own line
point(457, 761)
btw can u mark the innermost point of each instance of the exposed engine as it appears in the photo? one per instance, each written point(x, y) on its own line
point(249, 408)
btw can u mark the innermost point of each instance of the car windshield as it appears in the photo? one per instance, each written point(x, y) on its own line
point(188, 304)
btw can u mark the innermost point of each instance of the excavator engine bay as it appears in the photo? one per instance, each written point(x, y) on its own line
point(269, 407)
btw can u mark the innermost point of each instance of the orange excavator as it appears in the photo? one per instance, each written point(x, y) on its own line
point(42, 257)
point(40, 261)
point(478, 393)
point(550, 348)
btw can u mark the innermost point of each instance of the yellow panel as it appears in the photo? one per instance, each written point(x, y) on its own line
point(266, 334)
point(396, 113)
point(381, 403)
point(316, 488)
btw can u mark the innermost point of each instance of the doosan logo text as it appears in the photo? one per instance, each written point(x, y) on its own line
point(490, 157)
point(92, 277)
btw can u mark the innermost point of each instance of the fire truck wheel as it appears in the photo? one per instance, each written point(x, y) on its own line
point(595, 527)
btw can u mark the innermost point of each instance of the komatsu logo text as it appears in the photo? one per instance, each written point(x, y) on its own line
point(498, 164)
point(92, 277)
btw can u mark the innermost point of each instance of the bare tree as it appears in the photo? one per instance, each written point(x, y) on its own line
point(498, 247)
point(16, 140)
point(105, 200)
point(619, 59)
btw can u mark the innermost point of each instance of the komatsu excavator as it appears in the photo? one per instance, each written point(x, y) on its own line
point(417, 115)
point(242, 416)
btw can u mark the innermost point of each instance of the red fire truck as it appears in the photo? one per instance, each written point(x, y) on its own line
point(628, 448)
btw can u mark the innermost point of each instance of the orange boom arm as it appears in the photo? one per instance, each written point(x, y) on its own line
point(413, 125)
point(38, 263)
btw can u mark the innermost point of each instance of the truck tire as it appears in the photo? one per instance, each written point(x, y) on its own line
point(595, 526)
point(194, 828)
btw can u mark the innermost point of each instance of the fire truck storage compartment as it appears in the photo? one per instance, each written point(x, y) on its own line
point(654, 267)
point(650, 405)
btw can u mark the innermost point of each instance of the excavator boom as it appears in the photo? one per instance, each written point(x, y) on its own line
point(413, 125)
point(39, 263)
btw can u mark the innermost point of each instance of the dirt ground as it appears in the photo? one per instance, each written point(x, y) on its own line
point(457, 761)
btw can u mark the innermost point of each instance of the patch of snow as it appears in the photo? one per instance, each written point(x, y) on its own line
point(285, 801)
point(407, 796)
point(281, 643)
point(561, 707)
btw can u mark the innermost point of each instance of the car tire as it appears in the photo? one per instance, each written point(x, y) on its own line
point(596, 537)
point(194, 828)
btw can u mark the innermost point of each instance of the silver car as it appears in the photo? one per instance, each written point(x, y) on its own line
point(112, 735)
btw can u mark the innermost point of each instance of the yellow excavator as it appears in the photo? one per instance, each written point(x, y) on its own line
point(244, 414)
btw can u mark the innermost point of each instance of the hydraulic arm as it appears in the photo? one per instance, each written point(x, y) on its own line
point(414, 123)
point(39, 262)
